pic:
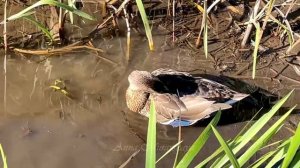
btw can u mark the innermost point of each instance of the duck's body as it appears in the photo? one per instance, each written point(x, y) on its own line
point(179, 98)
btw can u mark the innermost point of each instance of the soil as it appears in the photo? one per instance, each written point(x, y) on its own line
point(91, 126)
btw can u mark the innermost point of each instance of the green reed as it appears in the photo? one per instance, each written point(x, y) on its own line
point(226, 156)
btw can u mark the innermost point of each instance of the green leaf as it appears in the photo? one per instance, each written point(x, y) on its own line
point(210, 158)
point(277, 157)
point(288, 31)
point(172, 148)
point(40, 26)
point(205, 33)
point(230, 142)
point(268, 155)
point(280, 152)
point(199, 143)
point(263, 159)
point(264, 138)
point(256, 46)
point(151, 138)
point(296, 160)
point(146, 23)
point(49, 2)
point(24, 12)
point(294, 146)
point(226, 148)
point(68, 8)
point(3, 157)
point(254, 129)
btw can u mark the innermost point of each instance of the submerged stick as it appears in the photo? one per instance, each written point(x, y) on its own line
point(129, 159)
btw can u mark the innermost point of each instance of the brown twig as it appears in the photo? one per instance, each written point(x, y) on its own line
point(250, 26)
point(49, 52)
point(285, 77)
point(244, 68)
point(100, 26)
point(129, 159)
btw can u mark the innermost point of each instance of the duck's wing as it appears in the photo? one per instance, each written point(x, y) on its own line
point(215, 91)
point(168, 107)
point(176, 82)
point(165, 71)
point(199, 108)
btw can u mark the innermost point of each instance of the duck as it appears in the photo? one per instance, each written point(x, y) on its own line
point(180, 99)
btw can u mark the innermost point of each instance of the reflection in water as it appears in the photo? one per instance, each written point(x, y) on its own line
point(45, 128)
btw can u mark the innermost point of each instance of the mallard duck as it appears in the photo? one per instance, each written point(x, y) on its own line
point(179, 98)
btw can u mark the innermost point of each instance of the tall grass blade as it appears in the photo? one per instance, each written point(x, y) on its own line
point(280, 152)
point(257, 41)
point(268, 155)
point(151, 138)
point(264, 138)
point(199, 143)
point(210, 158)
point(230, 142)
point(24, 12)
point(40, 26)
point(296, 160)
point(226, 148)
point(253, 130)
point(205, 33)
point(3, 157)
point(288, 31)
point(277, 157)
point(172, 148)
point(198, 7)
point(68, 8)
point(50, 2)
point(262, 160)
point(141, 8)
point(294, 146)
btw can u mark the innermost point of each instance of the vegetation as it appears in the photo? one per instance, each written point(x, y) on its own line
point(197, 30)
point(3, 157)
point(260, 17)
point(230, 148)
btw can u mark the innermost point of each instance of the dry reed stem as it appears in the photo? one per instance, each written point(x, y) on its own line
point(100, 26)
point(128, 34)
point(5, 57)
point(56, 51)
point(250, 26)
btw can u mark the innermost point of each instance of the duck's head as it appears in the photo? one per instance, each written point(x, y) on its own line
point(141, 81)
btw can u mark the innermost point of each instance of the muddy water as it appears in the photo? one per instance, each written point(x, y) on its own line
point(43, 128)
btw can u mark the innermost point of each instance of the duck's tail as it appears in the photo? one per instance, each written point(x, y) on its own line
point(237, 97)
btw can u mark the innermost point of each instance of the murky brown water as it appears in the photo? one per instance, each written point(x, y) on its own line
point(43, 128)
